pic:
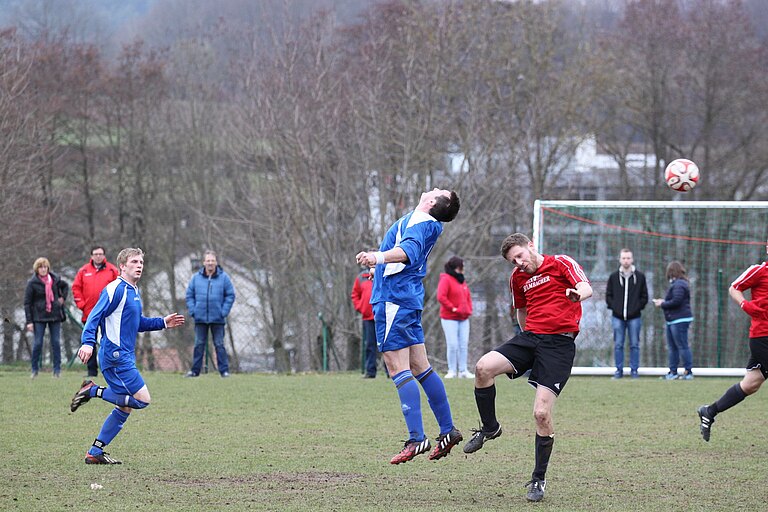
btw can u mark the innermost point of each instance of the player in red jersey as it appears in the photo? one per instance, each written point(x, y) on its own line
point(755, 279)
point(546, 293)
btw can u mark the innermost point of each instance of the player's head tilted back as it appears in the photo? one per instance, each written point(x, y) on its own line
point(446, 204)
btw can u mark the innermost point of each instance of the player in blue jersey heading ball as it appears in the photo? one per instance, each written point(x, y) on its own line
point(117, 315)
point(398, 299)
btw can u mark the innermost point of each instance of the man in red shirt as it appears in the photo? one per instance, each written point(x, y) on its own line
point(755, 278)
point(89, 281)
point(361, 299)
point(546, 293)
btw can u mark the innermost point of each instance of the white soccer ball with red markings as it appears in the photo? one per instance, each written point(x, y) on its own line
point(681, 175)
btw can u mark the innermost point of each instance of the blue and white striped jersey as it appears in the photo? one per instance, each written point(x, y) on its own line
point(401, 283)
point(118, 314)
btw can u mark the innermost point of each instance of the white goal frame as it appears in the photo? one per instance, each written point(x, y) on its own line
point(540, 242)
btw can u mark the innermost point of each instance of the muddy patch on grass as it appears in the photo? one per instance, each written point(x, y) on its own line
point(282, 480)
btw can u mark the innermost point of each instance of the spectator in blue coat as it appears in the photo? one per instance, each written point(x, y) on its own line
point(210, 296)
point(677, 313)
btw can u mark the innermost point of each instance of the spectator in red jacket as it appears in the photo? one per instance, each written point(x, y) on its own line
point(89, 281)
point(455, 310)
point(361, 299)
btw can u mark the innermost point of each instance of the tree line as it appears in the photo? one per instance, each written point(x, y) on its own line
point(289, 147)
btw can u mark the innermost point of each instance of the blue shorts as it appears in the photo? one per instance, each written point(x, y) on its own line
point(396, 327)
point(123, 380)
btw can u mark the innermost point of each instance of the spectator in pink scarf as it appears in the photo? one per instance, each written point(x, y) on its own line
point(44, 306)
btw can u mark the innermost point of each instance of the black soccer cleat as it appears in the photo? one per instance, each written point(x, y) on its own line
point(103, 458)
point(82, 396)
point(444, 444)
point(479, 438)
point(705, 427)
point(535, 490)
point(411, 450)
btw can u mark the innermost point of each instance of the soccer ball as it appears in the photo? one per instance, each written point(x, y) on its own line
point(681, 175)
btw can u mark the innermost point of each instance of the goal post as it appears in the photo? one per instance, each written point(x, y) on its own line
point(715, 241)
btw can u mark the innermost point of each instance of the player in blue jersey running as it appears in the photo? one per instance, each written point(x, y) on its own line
point(398, 299)
point(117, 315)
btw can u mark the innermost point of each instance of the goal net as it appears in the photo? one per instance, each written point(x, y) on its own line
point(715, 241)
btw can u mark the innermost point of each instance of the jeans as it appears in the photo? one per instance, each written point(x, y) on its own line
point(369, 340)
point(456, 341)
point(620, 327)
point(201, 340)
point(55, 329)
point(677, 342)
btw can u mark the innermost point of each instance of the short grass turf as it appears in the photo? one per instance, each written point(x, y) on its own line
point(323, 442)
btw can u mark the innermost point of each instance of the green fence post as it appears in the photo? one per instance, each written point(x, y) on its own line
point(325, 342)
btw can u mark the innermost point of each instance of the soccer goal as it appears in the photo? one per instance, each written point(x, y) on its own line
point(715, 241)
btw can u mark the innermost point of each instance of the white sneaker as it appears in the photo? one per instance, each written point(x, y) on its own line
point(450, 375)
point(466, 375)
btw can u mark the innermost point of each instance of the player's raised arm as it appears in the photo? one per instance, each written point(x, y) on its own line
point(173, 320)
point(369, 259)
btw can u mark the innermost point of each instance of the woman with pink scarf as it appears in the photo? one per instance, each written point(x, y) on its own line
point(44, 306)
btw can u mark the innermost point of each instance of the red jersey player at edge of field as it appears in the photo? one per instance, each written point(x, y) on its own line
point(755, 279)
point(546, 293)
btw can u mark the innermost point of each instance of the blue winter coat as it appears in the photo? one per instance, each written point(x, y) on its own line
point(210, 299)
point(677, 302)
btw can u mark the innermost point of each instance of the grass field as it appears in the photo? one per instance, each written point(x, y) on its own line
point(323, 442)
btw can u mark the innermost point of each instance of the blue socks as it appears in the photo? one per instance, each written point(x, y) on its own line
point(112, 426)
point(438, 399)
point(410, 403)
point(119, 400)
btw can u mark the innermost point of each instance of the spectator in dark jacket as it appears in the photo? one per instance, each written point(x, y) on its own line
point(361, 299)
point(677, 312)
point(210, 296)
point(626, 295)
point(44, 306)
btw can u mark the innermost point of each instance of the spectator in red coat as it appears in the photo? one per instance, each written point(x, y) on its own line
point(361, 299)
point(455, 309)
point(89, 281)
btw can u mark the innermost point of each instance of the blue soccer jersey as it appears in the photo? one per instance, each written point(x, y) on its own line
point(118, 314)
point(401, 283)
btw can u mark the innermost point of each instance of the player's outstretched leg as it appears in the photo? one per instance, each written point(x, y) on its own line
point(438, 402)
point(411, 450)
point(410, 405)
point(490, 429)
point(102, 458)
point(445, 442)
point(705, 422)
point(82, 395)
point(479, 437)
point(535, 490)
point(112, 426)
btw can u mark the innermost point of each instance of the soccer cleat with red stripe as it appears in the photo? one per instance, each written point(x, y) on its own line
point(82, 396)
point(103, 458)
point(411, 449)
point(444, 444)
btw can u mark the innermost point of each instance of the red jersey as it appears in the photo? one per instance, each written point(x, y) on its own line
point(755, 278)
point(543, 295)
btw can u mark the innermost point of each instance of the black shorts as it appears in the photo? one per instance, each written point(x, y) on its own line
point(758, 355)
point(548, 356)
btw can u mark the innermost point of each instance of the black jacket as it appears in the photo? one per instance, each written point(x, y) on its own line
point(34, 300)
point(626, 302)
